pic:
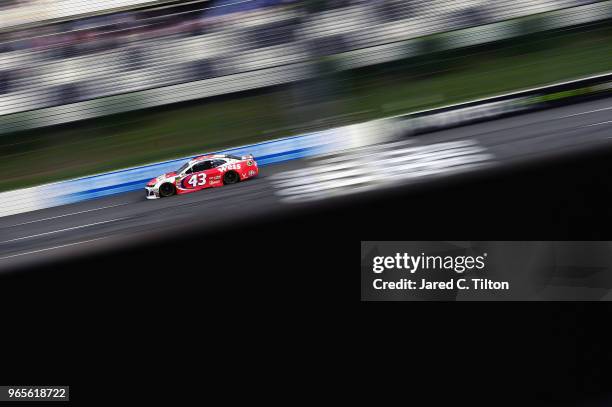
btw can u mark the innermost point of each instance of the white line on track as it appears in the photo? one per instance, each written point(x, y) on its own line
point(62, 230)
point(597, 124)
point(67, 214)
point(50, 248)
point(590, 111)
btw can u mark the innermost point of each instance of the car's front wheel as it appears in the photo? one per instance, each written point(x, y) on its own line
point(166, 190)
point(231, 177)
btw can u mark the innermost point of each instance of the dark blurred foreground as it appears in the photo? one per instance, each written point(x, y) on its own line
point(295, 284)
point(287, 301)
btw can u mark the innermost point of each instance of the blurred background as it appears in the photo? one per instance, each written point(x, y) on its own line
point(93, 86)
point(89, 86)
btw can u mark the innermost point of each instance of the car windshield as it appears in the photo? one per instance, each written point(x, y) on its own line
point(183, 168)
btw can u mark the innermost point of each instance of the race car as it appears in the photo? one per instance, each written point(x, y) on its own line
point(203, 172)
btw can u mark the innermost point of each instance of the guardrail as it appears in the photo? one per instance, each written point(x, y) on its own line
point(523, 101)
point(302, 146)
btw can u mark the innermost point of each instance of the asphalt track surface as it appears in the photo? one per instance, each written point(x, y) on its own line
point(82, 228)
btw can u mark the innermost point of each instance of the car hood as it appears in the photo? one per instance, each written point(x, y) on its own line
point(163, 177)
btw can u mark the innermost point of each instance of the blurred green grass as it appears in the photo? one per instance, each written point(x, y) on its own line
point(45, 155)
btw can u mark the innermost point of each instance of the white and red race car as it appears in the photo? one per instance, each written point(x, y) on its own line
point(203, 172)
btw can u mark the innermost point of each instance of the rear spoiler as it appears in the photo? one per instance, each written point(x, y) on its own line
point(248, 157)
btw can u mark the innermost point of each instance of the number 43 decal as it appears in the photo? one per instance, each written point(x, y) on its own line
point(196, 180)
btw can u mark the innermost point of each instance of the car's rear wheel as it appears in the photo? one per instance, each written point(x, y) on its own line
point(231, 177)
point(166, 190)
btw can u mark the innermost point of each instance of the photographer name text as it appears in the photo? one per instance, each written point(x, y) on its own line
point(433, 264)
point(459, 284)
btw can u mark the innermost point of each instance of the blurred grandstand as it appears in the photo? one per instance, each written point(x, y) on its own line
point(168, 79)
point(61, 52)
